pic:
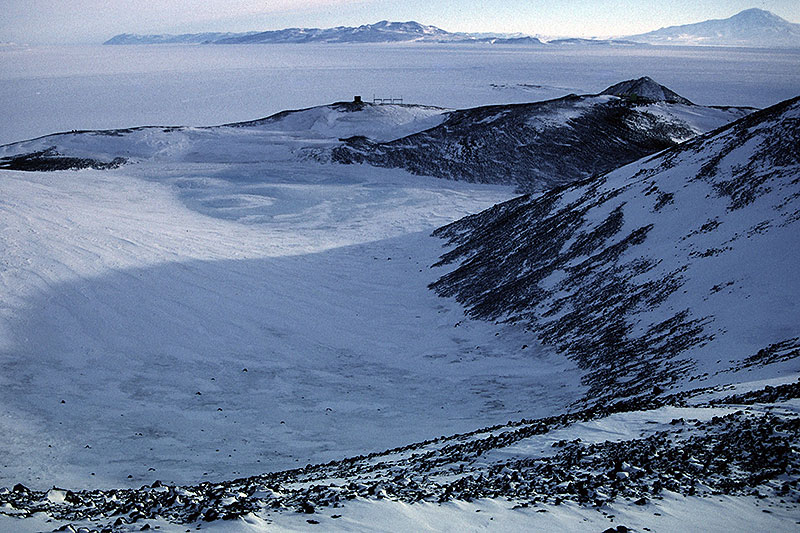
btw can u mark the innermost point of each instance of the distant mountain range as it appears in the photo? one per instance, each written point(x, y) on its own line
point(380, 32)
point(752, 28)
point(186, 38)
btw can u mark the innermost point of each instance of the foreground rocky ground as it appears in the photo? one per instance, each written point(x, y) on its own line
point(743, 444)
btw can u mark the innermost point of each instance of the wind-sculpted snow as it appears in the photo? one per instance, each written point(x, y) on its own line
point(541, 145)
point(671, 269)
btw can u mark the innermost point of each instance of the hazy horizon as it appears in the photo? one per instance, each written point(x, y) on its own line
point(91, 21)
point(58, 88)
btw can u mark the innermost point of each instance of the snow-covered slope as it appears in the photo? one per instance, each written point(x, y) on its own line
point(280, 136)
point(540, 145)
point(646, 467)
point(532, 146)
point(223, 307)
point(671, 271)
point(345, 119)
point(751, 27)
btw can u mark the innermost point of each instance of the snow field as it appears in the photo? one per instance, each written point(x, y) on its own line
point(672, 514)
point(138, 297)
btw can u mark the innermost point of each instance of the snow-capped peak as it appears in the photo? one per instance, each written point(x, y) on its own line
point(751, 27)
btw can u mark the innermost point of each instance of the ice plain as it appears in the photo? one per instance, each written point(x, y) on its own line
point(49, 89)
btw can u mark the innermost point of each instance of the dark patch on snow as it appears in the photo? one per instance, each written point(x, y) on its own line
point(50, 160)
point(774, 353)
point(768, 394)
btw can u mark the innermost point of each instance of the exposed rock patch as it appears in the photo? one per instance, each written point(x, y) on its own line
point(50, 159)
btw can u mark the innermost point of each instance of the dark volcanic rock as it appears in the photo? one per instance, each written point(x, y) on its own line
point(505, 144)
point(646, 89)
point(49, 160)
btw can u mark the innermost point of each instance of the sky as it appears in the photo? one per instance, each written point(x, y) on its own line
point(82, 21)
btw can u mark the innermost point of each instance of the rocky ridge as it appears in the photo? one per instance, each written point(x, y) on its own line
point(630, 274)
point(533, 146)
point(542, 145)
point(285, 135)
point(50, 159)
